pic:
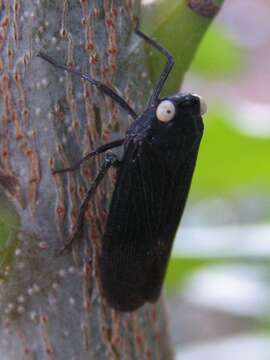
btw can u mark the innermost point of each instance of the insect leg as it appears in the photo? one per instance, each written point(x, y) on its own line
point(108, 91)
point(166, 70)
point(97, 151)
point(110, 160)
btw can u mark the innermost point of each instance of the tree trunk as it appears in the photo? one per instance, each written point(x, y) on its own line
point(51, 307)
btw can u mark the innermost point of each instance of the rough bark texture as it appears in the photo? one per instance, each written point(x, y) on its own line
point(51, 307)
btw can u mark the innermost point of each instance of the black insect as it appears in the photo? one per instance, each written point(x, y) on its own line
point(152, 184)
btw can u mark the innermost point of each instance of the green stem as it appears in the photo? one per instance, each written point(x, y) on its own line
point(179, 25)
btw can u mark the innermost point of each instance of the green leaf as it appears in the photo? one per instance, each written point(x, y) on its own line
point(180, 268)
point(175, 26)
point(229, 159)
point(217, 55)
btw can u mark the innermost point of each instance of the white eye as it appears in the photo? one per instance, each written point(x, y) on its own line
point(203, 106)
point(165, 111)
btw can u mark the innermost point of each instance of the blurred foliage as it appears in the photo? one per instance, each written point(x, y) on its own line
point(180, 268)
point(217, 55)
point(229, 159)
point(8, 222)
point(180, 30)
point(230, 162)
point(9, 226)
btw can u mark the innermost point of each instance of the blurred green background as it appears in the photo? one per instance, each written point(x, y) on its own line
point(217, 285)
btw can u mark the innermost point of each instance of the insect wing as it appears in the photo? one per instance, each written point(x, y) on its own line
point(146, 208)
point(129, 237)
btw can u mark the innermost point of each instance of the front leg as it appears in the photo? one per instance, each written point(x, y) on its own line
point(96, 152)
point(110, 160)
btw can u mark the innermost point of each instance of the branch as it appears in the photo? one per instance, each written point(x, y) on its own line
point(180, 26)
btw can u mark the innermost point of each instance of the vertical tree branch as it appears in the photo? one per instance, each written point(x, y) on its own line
point(51, 307)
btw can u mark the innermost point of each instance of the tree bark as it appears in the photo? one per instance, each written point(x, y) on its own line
point(51, 307)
